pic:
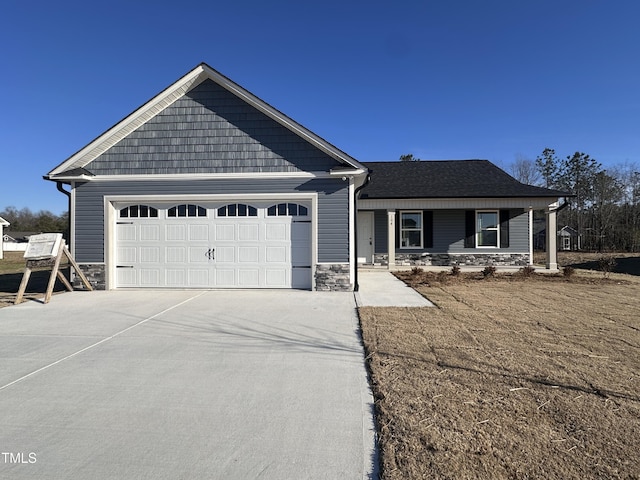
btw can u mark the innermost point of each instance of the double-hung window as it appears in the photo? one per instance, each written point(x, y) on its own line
point(411, 229)
point(487, 228)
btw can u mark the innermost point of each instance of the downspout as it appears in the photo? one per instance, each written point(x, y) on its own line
point(356, 287)
point(68, 194)
point(564, 205)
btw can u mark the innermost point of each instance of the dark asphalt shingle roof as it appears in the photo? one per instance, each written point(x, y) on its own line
point(446, 179)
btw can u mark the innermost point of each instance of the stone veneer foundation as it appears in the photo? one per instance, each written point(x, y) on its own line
point(462, 259)
point(333, 278)
point(329, 278)
point(95, 273)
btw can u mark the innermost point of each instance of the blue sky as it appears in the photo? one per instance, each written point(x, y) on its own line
point(492, 79)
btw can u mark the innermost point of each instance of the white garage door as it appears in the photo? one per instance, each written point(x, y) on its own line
point(228, 245)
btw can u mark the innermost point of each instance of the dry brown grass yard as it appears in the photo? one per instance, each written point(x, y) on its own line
point(509, 377)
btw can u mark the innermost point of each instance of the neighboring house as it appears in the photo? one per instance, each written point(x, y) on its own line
point(206, 185)
point(3, 223)
point(16, 241)
point(568, 239)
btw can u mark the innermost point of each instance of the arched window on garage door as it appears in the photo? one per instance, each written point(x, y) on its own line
point(187, 210)
point(237, 210)
point(138, 211)
point(287, 209)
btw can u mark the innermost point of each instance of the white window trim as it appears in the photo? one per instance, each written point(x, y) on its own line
point(497, 229)
point(412, 229)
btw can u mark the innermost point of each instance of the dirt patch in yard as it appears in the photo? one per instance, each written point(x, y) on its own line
point(509, 378)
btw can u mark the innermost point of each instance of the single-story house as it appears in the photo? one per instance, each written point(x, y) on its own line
point(569, 238)
point(208, 186)
point(3, 223)
point(14, 241)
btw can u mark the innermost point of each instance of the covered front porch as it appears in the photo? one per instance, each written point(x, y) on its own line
point(441, 233)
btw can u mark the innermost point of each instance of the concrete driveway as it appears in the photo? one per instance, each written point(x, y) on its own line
point(184, 384)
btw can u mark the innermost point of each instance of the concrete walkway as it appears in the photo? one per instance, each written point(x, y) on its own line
point(379, 288)
point(185, 384)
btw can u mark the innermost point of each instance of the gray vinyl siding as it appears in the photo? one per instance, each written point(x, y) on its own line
point(449, 233)
point(210, 130)
point(333, 208)
point(452, 224)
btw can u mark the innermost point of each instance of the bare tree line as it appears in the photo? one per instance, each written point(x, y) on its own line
point(25, 220)
point(605, 206)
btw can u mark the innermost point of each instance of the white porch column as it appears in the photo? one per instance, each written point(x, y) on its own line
point(552, 237)
point(391, 238)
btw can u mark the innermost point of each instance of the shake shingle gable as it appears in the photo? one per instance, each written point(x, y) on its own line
point(446, 179)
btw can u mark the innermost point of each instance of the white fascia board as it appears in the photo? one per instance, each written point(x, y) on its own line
point(69, 178)
point(347, 173)
point(199, 176)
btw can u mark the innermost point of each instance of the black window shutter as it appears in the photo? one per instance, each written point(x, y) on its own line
point(504, 228)
point(398, 221)
point(427, 229)
point(470, 229)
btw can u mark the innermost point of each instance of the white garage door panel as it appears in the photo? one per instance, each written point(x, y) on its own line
point(225, 277)
point(176, 278)
point(248, 254)
point(149, 255)
point(225, 255)
point(127, 232)
point(199, 233)
point(258, 251)
point(198, 278)
point(176, 255)
point(175, 233)
point(149, 277)
point(128, 254)
point(126, 277)
point(248, 278)
point(276, 278)
point(276, 254)
point(276, 232)
point(225, 232)
point(248, 232)
point(150, 233)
